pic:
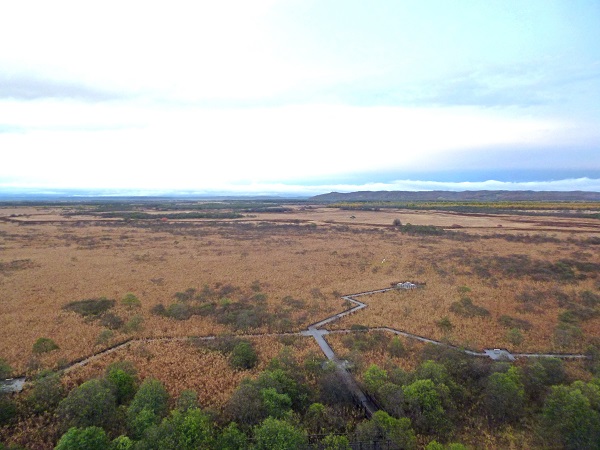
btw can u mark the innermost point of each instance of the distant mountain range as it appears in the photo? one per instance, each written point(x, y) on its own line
point(462, 196)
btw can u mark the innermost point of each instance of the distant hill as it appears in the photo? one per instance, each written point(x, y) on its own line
point(462, 196)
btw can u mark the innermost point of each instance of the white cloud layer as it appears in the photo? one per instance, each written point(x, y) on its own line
point(196, 95)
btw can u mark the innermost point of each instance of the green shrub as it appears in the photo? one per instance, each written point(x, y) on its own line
point(5, 369)
point(222, 344)
point(159, 310)
point(179, 311)
point(44, 345)
point(90, 307)
point(396, 347)
point(565, 334)
point(514, 336)
point(445, 324)
point(243, 356)
point(104, 337)
point(131, 301)
point(134, 324)
point(589, 299)
point(185, 296)
point(465, 308)
point(111, 321)
point(511, 322)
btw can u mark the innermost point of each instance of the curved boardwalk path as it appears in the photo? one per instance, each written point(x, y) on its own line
point(315, 330)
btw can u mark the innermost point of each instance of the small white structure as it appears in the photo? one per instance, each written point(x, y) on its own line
point(406, 285)
point(499, 354)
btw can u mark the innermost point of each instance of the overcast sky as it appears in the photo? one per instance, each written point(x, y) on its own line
point(300, 96)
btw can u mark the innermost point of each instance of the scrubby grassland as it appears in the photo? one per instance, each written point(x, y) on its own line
point(76, 279)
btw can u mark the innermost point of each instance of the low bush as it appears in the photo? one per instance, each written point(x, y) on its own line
point(589, 299)
point(445, 324)
point(514, 336)
point(111, 321)
point(134, 324)
point(512, 322)
point(185, 296)
point(159, 310)
point(90, 307)
point(465, 308)
point(44, 345)
point(178, 311)
point(243, 356)
point(5, 369)
point(131, 301)
point(104, 337)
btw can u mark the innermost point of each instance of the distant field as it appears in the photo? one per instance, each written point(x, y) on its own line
point(297, 261)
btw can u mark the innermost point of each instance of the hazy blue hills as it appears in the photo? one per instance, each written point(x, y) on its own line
point(461, 196)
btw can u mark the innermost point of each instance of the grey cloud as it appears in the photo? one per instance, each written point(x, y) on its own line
point(28, 87)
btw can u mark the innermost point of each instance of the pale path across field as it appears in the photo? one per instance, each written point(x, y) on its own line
point(315, 330)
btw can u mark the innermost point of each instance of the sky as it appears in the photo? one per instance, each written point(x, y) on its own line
point(298, 96)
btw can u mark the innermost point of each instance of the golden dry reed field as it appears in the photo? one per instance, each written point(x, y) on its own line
point(525, 283)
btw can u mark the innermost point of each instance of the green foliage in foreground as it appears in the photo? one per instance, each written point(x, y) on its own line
point(90, 438)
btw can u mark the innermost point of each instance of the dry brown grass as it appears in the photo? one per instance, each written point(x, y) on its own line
point(75, 260)
point(380, 356)
point(181, 365)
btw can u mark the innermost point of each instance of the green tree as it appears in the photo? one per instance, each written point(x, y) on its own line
point(275, 434)
point(187, 399)
point(232, 438)
point(122, 443)
point(335, 442)
point(245, 405)
point(276, 404)
point(314, 419)
point(383, 427)
point(89, 438)
point(374, 377)
point(424, 406)
point(91, 404)
point(148, 407)
point(122, 378)
point(504, 396)
point(568, 419)
point(8, 409)
point(591, 391)
point(243, 356)
point(184, 430)
point(47, 393)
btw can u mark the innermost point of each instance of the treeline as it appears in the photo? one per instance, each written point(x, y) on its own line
point(559, 209)
point(302, 404)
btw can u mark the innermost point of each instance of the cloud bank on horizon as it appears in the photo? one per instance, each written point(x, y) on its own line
point(300, 97)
